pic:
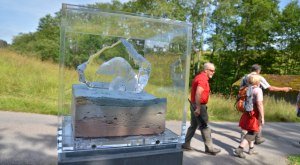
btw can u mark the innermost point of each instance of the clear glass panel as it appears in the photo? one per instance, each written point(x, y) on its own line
point(122, 76)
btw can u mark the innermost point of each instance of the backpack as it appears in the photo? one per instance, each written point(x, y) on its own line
point(244, 101)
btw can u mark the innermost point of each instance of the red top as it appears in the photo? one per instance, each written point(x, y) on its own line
point(202, 81)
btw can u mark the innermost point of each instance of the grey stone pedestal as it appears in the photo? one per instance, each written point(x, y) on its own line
point(162, 149)
point(154, 157)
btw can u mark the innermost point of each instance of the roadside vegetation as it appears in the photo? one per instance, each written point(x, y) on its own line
point(237, 34)
point(222, 109)
point(30, 85)
point(27, 84)
point(294, 160)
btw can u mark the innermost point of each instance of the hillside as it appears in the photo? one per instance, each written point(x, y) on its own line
point(30, 85)
point(27, 84)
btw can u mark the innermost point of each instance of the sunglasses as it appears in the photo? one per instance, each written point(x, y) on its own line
point(211, 70)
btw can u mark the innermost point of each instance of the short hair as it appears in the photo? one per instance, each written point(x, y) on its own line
point(254, 79)
point(255, 67)
point(207, 65)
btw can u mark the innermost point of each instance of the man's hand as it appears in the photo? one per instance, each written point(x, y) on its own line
point(197, 112)
point(286, 89)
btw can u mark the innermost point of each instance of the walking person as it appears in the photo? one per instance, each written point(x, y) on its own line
point(252, 120)
point(199, 116)
point(255, 70)
point(298, 105)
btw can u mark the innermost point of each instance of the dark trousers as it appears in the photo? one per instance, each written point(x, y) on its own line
point(196, 122)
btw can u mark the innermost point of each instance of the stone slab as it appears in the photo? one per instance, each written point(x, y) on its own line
point(160, 157)
point(99, 112)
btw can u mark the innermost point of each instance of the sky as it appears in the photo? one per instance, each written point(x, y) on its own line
point(22, 16)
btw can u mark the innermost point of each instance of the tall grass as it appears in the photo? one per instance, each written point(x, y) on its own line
point(174, 100)
point(222, 109)
point(279, 110)
point(294, 160)
point(29, 85)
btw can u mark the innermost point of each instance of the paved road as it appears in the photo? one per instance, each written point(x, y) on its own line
point(31, 139)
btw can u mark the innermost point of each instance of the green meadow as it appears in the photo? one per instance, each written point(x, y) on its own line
point(30, 85)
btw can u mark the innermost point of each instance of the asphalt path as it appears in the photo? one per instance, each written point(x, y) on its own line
point(31, 139)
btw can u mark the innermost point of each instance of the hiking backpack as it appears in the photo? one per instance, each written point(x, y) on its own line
point(244, 100)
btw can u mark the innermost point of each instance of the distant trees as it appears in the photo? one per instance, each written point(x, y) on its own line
point(3, 44)
point(44, 43)
point(239, 33)
point(250, 31)
point(242, 36)
point(287, 40)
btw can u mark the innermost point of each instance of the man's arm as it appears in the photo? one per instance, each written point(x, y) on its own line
point(278, 89)
point(198, 94)
point(266, 85)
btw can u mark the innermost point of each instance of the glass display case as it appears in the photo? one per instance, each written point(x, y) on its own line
point(124, 82)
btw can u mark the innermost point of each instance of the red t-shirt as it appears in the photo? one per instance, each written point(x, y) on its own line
point(202, 81)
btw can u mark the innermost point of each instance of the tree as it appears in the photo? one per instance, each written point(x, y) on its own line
point(3, 44)
point(24, 42)
point(242, 37)
point(288, 40)
point(199, 15)
point(196, 12)
point(44, 43)
point(48, 36)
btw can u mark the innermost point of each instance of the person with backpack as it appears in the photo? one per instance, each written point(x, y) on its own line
point(252, 118)
point(199, 116)
point(255, 70)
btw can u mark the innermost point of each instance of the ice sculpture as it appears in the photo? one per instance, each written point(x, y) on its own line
point(144, 66)
point(80, 69)
point(126, 79)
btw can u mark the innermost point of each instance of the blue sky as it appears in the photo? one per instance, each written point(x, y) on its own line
point(22, 16)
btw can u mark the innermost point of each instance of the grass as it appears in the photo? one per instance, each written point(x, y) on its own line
point(174, 100)
point(294, 160)
point(222, 109)
point(29, 85)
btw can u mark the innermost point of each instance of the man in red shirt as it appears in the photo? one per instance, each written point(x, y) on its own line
point(199, 117)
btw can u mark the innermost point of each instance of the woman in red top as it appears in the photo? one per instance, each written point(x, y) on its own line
point(253, 120)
